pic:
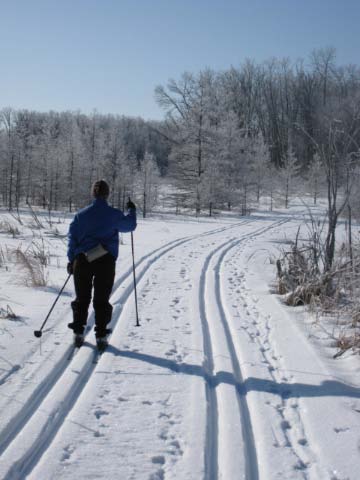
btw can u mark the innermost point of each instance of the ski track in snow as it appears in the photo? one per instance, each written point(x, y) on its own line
point(233, 461)
point(241, 439)
point(289, 430)
point(40, 432)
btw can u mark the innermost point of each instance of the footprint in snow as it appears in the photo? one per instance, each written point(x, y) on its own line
point(341, 429)
point(67, 452)
point(285, 425)
point(163, 435)
point(163, 414)
point(303, 442)
point(105, 393)
point(158, 475)
point(300, 465)
point(169, 353)
point(286, 393)
point(175, 448)
point(160, 459)
point(99, 413)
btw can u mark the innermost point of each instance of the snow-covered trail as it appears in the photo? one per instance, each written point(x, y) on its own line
point(230, 451)
point(57, 393)
point(36, 395)
point(205, 388)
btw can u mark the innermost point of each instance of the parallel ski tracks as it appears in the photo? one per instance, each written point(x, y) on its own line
point(51, 413)
point(216, 466)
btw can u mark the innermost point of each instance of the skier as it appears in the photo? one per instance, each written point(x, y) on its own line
point(92, 252)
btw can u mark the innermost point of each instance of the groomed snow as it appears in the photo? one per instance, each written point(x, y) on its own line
point(220, 381)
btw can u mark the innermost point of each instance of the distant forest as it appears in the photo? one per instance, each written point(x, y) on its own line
point(228, 139)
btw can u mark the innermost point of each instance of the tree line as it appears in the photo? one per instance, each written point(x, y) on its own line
point(51, 159)
point(254, 129)
point(227, 140)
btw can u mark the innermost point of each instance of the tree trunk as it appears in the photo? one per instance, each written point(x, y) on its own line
point(144, 205)
point(330, 242)
point(11, 180)
point(350, 236)
point(287, 193)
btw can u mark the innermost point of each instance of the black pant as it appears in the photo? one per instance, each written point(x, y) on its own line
point(101, 274)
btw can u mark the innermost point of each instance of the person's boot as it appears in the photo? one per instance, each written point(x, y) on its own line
point(102, 343)
point(78, 339)
point(102, 339)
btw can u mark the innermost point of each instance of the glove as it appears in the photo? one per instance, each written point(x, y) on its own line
point(70, 268)
point(130, 205)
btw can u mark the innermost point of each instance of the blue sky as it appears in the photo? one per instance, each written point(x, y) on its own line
point(110, 54)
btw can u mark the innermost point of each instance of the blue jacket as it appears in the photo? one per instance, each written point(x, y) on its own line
point(98, 223)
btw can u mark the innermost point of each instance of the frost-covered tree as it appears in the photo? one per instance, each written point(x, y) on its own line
point(260, 163)
point(191, 125)
point(323, 61)
point(148, 176)
point(72, 149)
point(316, 177)
point(288, 174)
point(10, 158)
point(271, 184)
point(338, 147)
point(228, 145)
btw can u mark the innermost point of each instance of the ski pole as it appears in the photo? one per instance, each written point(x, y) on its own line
point(38, 333)
point(133, 259)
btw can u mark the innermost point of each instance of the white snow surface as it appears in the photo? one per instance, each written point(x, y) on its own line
point(220, 381)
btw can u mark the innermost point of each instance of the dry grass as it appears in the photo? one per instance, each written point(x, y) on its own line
point(9, 229)
point(40, 252)
point(301, 280)
point(33, 268)
point(347, 342)
point(8, 313)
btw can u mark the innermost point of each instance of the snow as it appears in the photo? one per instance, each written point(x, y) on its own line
point(220, 381)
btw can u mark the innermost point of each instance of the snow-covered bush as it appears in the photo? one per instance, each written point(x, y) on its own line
point(300, 270)
point(303, 279)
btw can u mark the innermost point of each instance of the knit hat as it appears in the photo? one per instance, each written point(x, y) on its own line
point(100, 189)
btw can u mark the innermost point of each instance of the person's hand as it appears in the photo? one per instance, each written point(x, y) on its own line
point(70, 268)
point(130, 205)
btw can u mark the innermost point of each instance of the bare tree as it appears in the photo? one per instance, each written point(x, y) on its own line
point(288, 173)
point(191, 122)
point(148, 176)
point(315, 174)
point(7, 120)
point(338, 149)
point(323, 61)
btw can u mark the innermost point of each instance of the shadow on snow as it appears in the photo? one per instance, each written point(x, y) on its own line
point(327, 388)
